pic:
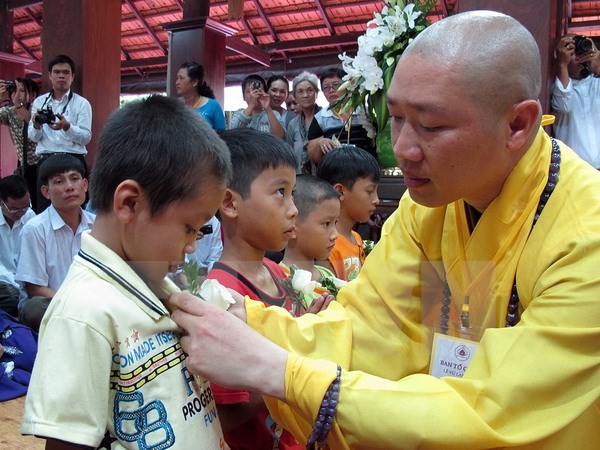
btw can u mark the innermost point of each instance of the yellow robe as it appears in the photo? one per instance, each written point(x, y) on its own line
point(536, 385)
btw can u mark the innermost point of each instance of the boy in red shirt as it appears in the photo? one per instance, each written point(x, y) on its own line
point(257, 214)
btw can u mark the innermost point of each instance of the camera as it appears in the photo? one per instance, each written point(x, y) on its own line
point(256, 84)
point(582, 44)
point(11, 86)
point(45, 115)
point(206, 229)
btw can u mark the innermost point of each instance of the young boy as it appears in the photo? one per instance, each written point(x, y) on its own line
point(354, 173)
point(257, 214)
point(50, 240)
point(110, 370)
point(318, 212)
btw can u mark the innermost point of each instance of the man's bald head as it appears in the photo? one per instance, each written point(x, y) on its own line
point(493, 54)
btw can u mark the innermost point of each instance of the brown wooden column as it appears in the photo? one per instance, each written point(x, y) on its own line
point(89, 31)
point(11, 67)
point(198, 38)
point(545, 20)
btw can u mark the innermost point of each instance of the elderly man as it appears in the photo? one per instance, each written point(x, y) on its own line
point(475, 321)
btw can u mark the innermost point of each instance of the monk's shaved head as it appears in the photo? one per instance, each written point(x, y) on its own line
point(492, 54)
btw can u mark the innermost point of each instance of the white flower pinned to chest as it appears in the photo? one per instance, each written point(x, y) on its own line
point(215, 294)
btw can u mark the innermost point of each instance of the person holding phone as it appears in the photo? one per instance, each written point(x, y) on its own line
point(258, 114)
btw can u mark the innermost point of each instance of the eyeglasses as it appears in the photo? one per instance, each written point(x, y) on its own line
point(16, 210)
point(331, 87)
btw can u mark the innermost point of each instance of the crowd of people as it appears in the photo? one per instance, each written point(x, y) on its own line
point(473, 323)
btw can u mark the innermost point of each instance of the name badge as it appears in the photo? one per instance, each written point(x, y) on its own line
point(451, 356)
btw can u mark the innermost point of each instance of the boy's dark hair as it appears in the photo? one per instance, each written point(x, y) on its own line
point(61, 59)
point(252, 152)
point(196, 72)
point(331, 73)
point(310, 192)
point(59, 164)
point(253, 77)
point(347, 164)
point(13, 186)
point(161, 144)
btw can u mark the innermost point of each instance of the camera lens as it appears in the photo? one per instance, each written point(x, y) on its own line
point(582, 45)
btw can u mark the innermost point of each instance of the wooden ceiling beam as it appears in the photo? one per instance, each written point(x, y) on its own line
point(303, 44)
point(253, 52)
point(325, 17)
point(147, 26)
point(265, 18)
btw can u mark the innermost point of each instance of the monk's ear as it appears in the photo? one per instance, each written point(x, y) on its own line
point(524, 121)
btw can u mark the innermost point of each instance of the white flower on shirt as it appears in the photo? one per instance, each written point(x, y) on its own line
point(216, 294)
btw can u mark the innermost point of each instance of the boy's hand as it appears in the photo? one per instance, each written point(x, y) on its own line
point(320, 303)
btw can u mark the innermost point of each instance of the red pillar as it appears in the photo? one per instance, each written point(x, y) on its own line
point(89, 31)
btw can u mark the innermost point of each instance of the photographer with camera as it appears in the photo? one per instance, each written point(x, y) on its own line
point(19, 94)
point(576, 96)
point(62, 120)
point(259, 114)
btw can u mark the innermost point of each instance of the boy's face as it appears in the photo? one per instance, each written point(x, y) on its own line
point(361, 201)
point(266, 219)
point(157, 245)
point(66, 191)
point(316, 234)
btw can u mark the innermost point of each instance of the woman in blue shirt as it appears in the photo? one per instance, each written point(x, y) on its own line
point(194, 91)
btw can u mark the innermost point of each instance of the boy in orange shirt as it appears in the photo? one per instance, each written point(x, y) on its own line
point(354, 173)
point(316, 233)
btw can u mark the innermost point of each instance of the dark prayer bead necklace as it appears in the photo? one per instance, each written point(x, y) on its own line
point(512, 314)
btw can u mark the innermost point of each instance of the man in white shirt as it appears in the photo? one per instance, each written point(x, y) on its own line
point(16, 211)
point(50, 240)
point(576, 97)
point(61, 120)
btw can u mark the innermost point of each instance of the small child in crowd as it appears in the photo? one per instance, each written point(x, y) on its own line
point(354, 173)
point(49, 241)
point(110, 371)
point(257, 214)
point(318, 212)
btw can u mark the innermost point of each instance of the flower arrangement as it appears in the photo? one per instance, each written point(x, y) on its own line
point(369, 73)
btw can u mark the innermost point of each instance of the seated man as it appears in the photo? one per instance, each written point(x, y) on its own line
point(16, 211)
point(51, 240)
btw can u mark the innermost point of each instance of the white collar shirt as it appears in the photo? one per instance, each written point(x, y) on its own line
point(77, 110)
point(48, 246)
point(9, 247)
point(577, 111)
